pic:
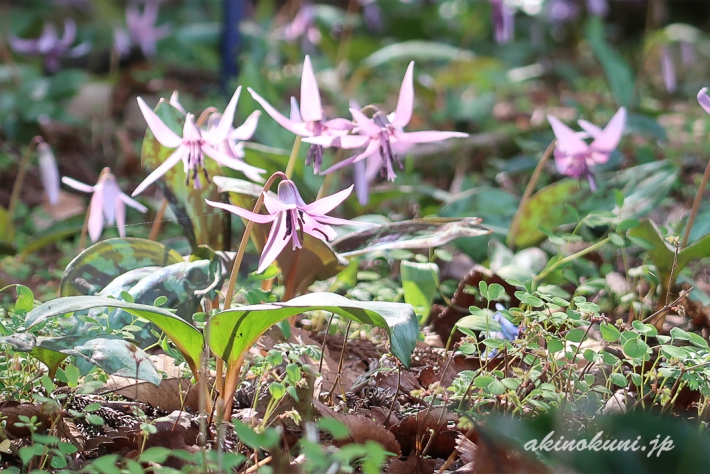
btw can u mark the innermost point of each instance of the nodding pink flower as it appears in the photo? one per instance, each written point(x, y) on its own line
point(142, 31)
point(108, 203)
point(668, 70)
point(503, 21)
point(303, 26)
point(48, 172)
point(382, 136)
point(704, 99)
point(192, 147)
point(291, 217)
point(233, 144)
point(574, 157)
point(309, 122)
point(50, 46)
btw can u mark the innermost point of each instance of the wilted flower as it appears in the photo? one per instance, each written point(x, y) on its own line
point(50, 46)
point(291, 216)
point(381, 136)
point(48, 172)
point(192, 147)
point(142, 31)
point(303, 26)
point(573, 156)
point(108, 203)
point(503, 21)
point(309, 122)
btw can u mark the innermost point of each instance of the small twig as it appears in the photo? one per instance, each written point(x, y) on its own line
point(322, 347)
point(340, 365)
point(256, 466)
point(158, 222)
point(19, 180)
point(669, 306)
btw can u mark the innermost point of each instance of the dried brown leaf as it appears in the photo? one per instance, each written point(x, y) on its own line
point(172, 394)
point(413, 465)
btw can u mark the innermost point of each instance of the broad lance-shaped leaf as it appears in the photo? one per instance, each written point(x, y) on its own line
point(412, 234)
point(184, 335)
point(202, 224)
point(233, 332)
point(316, 261)
point(420, 282)
point(97, 266)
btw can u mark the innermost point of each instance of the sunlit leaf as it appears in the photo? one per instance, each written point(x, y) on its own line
point(97, 266)
point(420, 283)
point(416, 50)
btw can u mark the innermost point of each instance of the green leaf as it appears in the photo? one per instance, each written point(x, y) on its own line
point(97, 266)
point(412, 234)
point(481, 321)
point(635, 347)
point(609, 332)
point(617, 70)
point(618, 379)
point(420, 282)
point(186, 338)
point(266, 440)
point(112, 354)
point(416, 50)
point(25, 299)
point(674, 352)
point(234, 331)
point(201, 223)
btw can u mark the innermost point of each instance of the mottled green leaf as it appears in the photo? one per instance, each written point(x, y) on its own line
point(97, 266)
point(412, 234)
point(112, 354)
point(201, 223)
point(233, 332)
point(184, 335)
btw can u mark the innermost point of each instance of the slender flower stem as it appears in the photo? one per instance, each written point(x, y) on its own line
point(19, 180)
point(696, 206)
point(569, 258)
point(205, 115)
point(158, 222)
point(294, 155)
point(84, 230)
point(528, 191)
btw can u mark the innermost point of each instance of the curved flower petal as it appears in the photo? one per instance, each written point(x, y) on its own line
point(132, 202)
point(96, 217)
point(704, 99)
point(225, 122)
point(162, 132)
point(372, 148)
point(85, 188)
point(171, 161)
point(367, 126)
point(258, 218)
point(275, 242)
point(274, 206)
point(405, 102)
point(294, 127)
point(568, 142)
point(325, 205)
point(175, 102)
point(591, 129)
point(339, 124)
point(48, 172)
point(246, 130)
point(318, 229)
point(120, 211)
point(69, 34)
point(362, 184)
point(609, 139)
point(233, 163)
point(311, 109)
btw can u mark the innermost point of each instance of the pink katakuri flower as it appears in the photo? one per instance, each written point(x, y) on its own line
point(108, 203)
point(233, 144)
point(50, 46)
point(574, 157)
point(303, 26)
point(384, 136)
point(291, 217)
point(141, 27)
point(309, 121)
point(704, 99)
point(503, 21)
point(192, 147)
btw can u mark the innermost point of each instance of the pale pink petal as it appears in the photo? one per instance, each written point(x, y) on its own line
point(405, 103)
point(324, 140)
point(160, 170)
point(23, 46)
point(367, 126)
point(610, 137)
point(96, 217)
point(274, 206)
point(372, 148)
point(311, 110)
point(294, 127)
point(318, 229)
point(275, 243)
point(704, 99)
point(426, 136)
point(567, 140)
point(233, 163)
point(120, 216)
point(108, 188)
point(132, 202)
point(295, 114)
point(338, 221)
point(289, 195)
point(362, 184)
point(190, 132)
point(69, 33)
point(258, 218)
point(84, 188)
point(565, 164)
point(246, 130)
point(175, 102)
point(325, 205)
point(591, 129)
point(339, 124)
point(374, 165)
point(225, 122)
point(162, 132)
point(78, 50)
point(49, 173)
